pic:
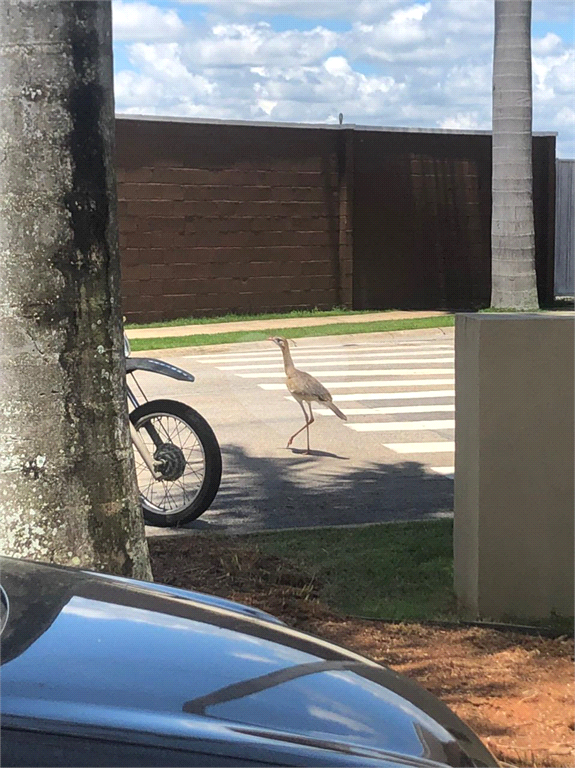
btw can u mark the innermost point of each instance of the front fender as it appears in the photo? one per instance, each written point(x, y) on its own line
point(157, 366)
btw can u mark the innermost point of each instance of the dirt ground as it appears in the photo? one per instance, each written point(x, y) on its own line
point(515, 691)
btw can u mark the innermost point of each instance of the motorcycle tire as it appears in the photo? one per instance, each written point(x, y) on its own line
point(190, 462)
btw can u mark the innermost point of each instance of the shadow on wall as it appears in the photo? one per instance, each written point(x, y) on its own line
point(260, 493)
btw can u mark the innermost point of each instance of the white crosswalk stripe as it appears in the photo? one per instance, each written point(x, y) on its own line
point(389, 409)
point(418, 397)
point(392, 351)
point(445, 471)
point(401, 426)
point(412, 395)
point(366, 372)
point(372, 361)
point(436, 446)
point(357, 384)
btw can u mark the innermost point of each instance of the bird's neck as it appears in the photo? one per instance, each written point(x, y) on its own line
point(288, 362)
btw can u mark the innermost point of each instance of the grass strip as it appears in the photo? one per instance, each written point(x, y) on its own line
point(400, 571)
point(395, 571)
point(560, 303)
point(231, 318)
point(333, 329)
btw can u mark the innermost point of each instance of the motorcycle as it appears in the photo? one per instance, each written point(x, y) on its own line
point(177, 455)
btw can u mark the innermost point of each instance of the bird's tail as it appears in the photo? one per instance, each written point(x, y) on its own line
point(336, 410)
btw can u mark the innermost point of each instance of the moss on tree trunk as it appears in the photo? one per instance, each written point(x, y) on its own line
point(67, 482)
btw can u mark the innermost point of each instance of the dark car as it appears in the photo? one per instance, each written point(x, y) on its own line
point(104, 671)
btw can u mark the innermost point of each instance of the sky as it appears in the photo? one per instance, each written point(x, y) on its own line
point(400, 63)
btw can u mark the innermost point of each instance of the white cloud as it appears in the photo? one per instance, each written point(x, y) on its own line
point(554, 75)
point(266, 106)
point(471, 10)
point(356, 10)
point(410, 14)
point(162, 84)
point(462, 121)
point(137, 92)
point(566, 117)
point(164, 63)
point(404, 28)
point(547, 44)
point(252, 45)
point(143, 21)
point(402, 63)
point(322, 92)
point(338, 66)
point(434, 33)
point(553, 97)
point(468, 83)
point(307, 9)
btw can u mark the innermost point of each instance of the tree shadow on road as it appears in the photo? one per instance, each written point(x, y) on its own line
point(260, 493)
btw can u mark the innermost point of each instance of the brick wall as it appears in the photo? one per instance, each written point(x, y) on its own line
point(220, 219)
point(422, 219)
point(424, 241)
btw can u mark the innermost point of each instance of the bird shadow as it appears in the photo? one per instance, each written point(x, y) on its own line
point(314, 453)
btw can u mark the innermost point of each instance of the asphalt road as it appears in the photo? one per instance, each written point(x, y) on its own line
point(392, 460)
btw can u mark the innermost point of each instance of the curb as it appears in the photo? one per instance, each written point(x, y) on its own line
point(286, 322)
point(239, 346)
point(175, 533)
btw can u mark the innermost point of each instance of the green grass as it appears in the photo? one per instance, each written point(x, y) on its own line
point(335, 329)
point(401, 571)
point(396, 571)
point(561, 303)
point(556, 624)
point(231, 318)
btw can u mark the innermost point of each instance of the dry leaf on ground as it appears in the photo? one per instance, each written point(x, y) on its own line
point(515, 691)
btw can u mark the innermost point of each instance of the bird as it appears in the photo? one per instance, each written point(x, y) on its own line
point(304, 388)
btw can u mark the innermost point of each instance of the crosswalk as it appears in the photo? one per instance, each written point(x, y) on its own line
point(413, 381)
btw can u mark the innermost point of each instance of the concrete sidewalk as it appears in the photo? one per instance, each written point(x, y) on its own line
point(263, 325)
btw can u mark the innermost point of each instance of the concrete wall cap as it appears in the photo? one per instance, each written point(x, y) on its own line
point(518, 317)
point(325, 126)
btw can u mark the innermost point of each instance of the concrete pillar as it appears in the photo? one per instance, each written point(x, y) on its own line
point(344, 270)
point(514, 465)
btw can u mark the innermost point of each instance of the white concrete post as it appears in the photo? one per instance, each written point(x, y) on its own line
point(514, 465)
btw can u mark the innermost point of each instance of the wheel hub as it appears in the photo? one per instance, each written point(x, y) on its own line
point(170, 460)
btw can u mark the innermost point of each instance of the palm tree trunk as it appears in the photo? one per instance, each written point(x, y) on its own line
point(67, 481)
point(514, 284)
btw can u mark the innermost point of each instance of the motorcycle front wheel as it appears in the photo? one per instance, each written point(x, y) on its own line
point(187, 458)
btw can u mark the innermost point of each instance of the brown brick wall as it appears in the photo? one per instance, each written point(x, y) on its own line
point(218, 218)
point(422, 219)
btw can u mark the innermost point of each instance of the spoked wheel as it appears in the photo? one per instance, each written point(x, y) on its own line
point(187, 460)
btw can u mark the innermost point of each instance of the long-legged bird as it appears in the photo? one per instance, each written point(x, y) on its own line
point(304, 388)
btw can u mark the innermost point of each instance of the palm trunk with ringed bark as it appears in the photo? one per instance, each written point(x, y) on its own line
point(514, 284)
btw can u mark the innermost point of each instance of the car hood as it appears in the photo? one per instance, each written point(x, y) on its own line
point(109, 652)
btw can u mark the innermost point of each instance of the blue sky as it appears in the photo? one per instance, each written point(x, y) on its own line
point(413, 63)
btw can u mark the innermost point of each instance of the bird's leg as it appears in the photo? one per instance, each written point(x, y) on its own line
point(310, 422)
point(305, 426)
